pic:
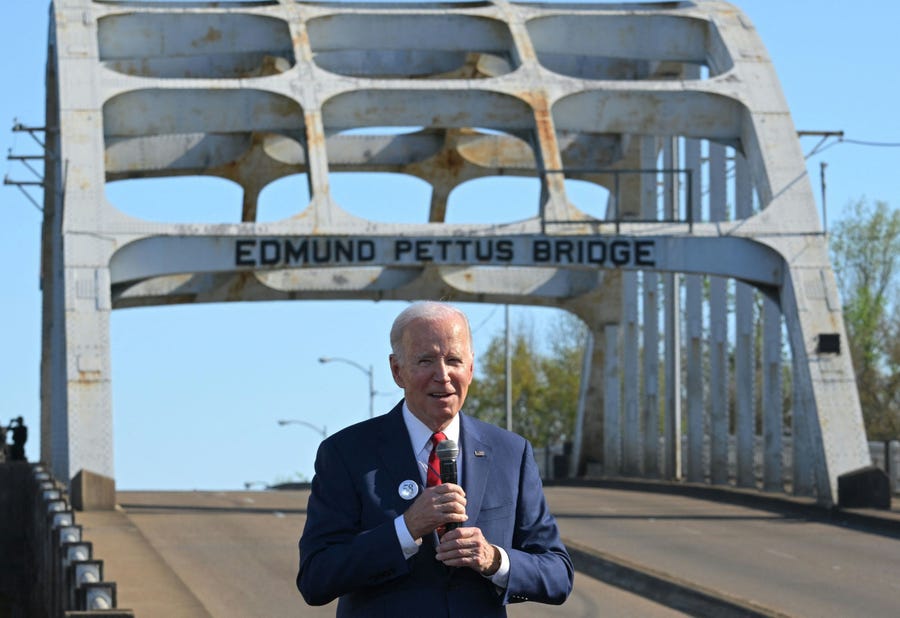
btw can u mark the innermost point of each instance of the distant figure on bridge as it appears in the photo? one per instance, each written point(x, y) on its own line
point(19, 437)
point(380, 500)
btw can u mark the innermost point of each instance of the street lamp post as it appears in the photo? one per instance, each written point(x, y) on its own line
point(322, 431)
point(369, 372)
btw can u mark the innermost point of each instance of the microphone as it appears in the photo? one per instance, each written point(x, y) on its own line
point(447, 451)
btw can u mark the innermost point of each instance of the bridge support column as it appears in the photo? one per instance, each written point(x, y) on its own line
point(80, 391)
point(772, 422)
point(76, 401)
point(745, 350)
point(612, 423)
point(825, 388)
point(718, 331)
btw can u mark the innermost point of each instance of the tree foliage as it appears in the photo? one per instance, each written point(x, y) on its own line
point(544, 383)
point(865, 249)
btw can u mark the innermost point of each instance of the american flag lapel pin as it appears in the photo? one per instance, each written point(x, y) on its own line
point(479, 453)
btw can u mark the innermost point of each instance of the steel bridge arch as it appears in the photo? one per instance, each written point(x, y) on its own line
point(619, 95)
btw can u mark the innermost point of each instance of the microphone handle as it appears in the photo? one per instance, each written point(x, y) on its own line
point(448, 471)
point(448, 475)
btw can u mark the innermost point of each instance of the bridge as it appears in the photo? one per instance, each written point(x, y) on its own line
point(641, 548)
point(674, 109)
point(704, 279)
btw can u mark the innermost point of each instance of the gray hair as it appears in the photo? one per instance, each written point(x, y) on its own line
point(424, 310)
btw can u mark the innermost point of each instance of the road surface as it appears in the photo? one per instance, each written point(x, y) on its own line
point(234, 554)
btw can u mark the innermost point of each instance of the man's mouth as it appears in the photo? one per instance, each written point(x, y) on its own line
point(441, 395)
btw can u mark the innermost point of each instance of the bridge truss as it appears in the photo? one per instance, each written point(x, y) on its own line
point(710, 235)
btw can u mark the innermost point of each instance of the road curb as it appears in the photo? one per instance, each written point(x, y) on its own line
point(663, 588)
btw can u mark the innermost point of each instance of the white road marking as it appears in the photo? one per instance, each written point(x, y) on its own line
point(781, 554)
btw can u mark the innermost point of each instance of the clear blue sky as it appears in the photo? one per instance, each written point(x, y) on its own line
point(197, 389)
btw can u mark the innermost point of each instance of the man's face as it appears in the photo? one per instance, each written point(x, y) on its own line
point(434, 369)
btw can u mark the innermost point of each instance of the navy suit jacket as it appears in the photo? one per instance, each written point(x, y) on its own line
point(349, 547)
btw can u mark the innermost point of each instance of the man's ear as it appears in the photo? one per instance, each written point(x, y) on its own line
point(395, 370)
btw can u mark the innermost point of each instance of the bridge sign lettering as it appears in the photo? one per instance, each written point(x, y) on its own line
point(534, 250)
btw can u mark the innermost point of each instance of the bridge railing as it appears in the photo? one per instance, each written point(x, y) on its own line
point(681, 207)
point(886, 455)
point(553, 462)
point(56, 573)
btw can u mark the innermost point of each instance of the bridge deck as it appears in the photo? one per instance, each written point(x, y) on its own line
point(234, 554)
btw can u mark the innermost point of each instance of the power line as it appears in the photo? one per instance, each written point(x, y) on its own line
point(867, 143)
point(486, 320)
point(826, 135)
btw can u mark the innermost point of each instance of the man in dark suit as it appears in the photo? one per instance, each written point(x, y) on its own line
point(373, 518)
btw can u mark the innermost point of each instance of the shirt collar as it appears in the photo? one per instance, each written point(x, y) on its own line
point(420, 434)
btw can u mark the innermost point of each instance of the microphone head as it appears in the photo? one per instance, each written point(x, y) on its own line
point(447, 450)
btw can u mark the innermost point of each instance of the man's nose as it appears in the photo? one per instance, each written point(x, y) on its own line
point(441, 372)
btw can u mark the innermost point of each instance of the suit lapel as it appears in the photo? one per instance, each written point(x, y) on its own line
point(476, 458)
point(396, 455)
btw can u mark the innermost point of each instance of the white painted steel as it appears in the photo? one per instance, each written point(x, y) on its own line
point(718, 327)
point(745, 350)
point(772, 408)
point(674, 460)
point(630, 378)
point(612, 421)
point(254, 92)
point(695, 406)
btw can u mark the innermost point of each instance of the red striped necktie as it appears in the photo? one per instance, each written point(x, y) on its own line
point(434, 464)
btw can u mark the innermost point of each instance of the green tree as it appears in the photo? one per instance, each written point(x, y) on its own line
point(865, 248)
point(544, 384)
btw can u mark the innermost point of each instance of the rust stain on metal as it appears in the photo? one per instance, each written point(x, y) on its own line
point(496, 151)
point(314, 138)
point(450, 162)
point(546, 131)
point(301, 39)
point(284, 107)
point(238, 284)
point(212, 35)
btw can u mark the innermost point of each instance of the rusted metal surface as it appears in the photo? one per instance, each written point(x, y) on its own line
point(449, 94)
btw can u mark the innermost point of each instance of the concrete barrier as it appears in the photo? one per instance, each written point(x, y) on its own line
point(48, 570)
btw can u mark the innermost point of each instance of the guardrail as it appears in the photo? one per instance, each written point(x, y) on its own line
point(57, 574)
point(886, 455)
point(554, 463)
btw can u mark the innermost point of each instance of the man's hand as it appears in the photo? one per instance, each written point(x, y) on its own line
point(467, 547)
point(437, 506)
